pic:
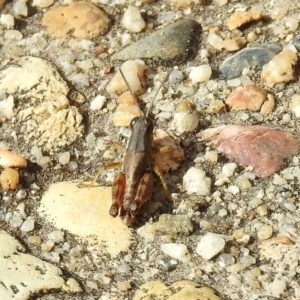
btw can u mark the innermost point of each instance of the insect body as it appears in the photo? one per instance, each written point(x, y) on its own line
point(134, 185)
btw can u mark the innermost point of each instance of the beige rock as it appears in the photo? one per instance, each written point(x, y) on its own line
point(17, 270)
point(180, 290)
point(80, 20)
point(135, 73)
point(247, 97)
point(127, 109)
point(280, 69)
point(85, 212)
point(9, 179)
point(168, 154)
point(268, 105)
point(240, 18)
point(234, 44)
point(45, 117)
point(10, 159)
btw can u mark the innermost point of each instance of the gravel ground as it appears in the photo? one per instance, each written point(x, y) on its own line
point(237, 234)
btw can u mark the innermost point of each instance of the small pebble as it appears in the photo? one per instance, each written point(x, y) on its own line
point(64, 158)
point(57, 236)
point(226, 259)
point(240, 18)
point(132, 20)
point(21, 194)
point(20, 8)
point(9, 179)
point(200, 74)
point(92, 285)
point(175, 76)
point(34, 240)
point(265, 232)
point(7, 20)
point(42, 3)
point(76, 252)
point(10, 159)
point(124, 286)
point(247, 260)
point(210, 245)
point(228, 169)
point(16, 221)
point(177, 251)
point(215, 41)
point(97, 102)
point(243, 183)
point(73, 166)
point(195, 181)
point(47, 247)
point(28, 224)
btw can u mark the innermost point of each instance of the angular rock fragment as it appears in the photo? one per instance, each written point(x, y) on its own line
point(253, 57)
point(240, 18)
point(173, 44)
point(44, 116)
point(280, 69)
point(263, 148)
point(249, 97)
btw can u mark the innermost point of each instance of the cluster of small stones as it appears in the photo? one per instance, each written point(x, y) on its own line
point(248, 240)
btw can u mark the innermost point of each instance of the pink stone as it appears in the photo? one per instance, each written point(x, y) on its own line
point(263, 148)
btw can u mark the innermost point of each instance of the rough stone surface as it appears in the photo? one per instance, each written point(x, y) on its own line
point(85, 212)
point(252, 57)
point(17, 269)
point(210, 245)
point(44, 113)
point(280, 69)
point(263, 148)
point(183, 290)
point(80, 20)
point(173, 225)
point(247, 97)
point(240, 18)
point(172, 44)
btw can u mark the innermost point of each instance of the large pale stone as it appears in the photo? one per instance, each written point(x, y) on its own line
point(85, 212)
point(22, 275)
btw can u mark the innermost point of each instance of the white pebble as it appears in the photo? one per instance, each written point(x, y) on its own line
point(13, 35)
point(234, 82)
point(233, 189)
point(175, 76)
point(200, 74)
point(97, 102)
point(21, 194)
point(195, 181)
point(73, 166)
point(132, 20)
point(215, 40)
point(177, 251)
point(28, 224)
point(20, 8)
point(264, 232)
point(278, 180)
point(210, 245)
point(277, 288)
point(64, 158)
point(220, 2)
point(228, 169)
point(56, 236)
point(211, 156)
point(42, 3)
point(7, 20)
point(185, 122)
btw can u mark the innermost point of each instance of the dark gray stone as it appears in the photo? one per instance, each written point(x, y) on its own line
point(173, 44)
point(296, 42)
point(254, 58)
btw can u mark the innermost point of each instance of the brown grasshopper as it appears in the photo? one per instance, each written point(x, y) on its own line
point(133, 186)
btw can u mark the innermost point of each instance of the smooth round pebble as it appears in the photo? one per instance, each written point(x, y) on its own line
point(34, 240)
point(132, 20)
point(73, 166)
point(64, 158)
point(97, 102)
point(200, 74)
point(175, 76)
point(42, 3)
point(28, 224)
point(264, 232)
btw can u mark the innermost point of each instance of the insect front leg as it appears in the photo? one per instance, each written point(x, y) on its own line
point(118, 191)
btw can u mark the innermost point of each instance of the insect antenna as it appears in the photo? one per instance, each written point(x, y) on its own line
point(151, 104)
point(129, 88)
